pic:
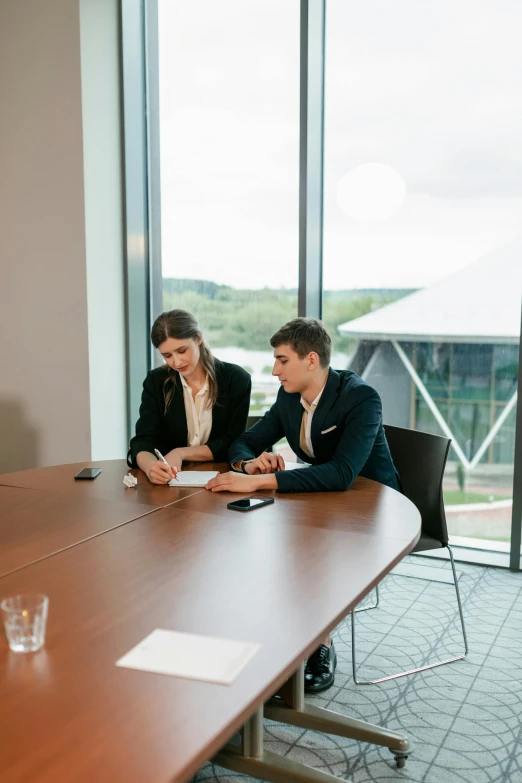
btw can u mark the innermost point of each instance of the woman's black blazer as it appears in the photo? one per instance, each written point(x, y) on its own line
point(157, 429)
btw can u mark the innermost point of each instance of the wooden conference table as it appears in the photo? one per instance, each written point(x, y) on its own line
point(117, 563)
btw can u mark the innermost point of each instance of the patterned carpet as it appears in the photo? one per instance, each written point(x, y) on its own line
point(463, 720)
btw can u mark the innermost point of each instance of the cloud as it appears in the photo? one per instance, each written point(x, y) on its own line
point(431, 89)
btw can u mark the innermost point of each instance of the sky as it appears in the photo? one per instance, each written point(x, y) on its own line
point(431, 89)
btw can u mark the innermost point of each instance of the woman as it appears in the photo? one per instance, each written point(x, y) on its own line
point(192, 407)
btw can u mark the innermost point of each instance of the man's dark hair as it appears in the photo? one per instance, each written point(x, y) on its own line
point(304, 335)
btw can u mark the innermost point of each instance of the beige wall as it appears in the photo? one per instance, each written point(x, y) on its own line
point(102, 155)
point(45, 406)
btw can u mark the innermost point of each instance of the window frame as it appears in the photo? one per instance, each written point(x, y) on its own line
point(142, 198)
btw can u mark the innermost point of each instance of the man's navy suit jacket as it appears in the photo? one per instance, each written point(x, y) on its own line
point(347, 437)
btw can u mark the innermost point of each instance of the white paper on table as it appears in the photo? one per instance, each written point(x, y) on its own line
point(190, 656)
point(295, 465)
point(193, 478)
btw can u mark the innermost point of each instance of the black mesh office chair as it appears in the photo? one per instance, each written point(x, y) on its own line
point(420, 459)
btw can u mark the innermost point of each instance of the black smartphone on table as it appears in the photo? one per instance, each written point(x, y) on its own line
point(249, 504)
point(88, 473)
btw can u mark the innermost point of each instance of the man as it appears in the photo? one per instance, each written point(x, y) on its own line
point(332, 420)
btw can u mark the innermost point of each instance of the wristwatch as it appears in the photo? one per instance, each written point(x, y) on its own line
point(239, 466)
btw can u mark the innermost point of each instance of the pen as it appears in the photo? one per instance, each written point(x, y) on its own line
point(162, 458)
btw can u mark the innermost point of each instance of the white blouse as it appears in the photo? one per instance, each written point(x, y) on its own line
point(199, 415)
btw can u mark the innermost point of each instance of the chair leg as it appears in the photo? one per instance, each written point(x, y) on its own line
point(420, 668)
point(457, 591)
point(370, 606)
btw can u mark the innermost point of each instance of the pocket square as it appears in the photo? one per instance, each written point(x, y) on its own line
point(329, 429)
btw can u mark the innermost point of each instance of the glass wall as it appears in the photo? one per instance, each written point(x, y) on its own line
point(422, 210)
point(229, 140)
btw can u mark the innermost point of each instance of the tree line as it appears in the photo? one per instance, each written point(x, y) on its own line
point(246, 318)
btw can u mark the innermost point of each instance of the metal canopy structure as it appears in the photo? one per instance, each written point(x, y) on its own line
point(479, 304)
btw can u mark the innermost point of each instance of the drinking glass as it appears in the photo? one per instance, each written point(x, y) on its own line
point(25, 619)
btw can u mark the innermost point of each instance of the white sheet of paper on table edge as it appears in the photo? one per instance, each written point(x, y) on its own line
point(193, 478)
point(166, 644)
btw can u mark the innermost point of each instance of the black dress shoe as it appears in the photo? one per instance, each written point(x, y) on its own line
point(320, 669)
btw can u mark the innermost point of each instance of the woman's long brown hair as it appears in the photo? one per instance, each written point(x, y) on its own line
point(181, 325)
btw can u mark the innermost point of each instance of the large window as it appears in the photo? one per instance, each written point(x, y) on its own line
point(423, 204)
point(229, 139)
point(421, 265)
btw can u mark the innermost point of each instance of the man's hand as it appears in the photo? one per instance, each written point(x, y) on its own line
point(239, 482)
point(265, 463)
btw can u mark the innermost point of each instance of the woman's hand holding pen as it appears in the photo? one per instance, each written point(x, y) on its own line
point(163, 470)
point(161, 473)
point(175, 459)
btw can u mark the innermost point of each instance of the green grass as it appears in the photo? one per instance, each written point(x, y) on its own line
point(458, 498)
